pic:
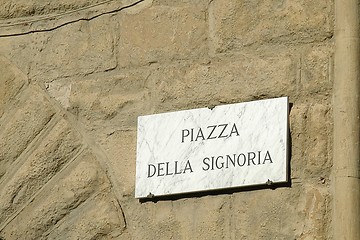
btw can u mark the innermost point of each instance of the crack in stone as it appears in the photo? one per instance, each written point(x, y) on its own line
point(49, 29)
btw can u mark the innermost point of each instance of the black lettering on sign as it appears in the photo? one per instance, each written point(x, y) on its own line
point(221, 164)
point(248, 159)
point(168, 169)
point(177, 171)
point(251, 157)
point(184, 133)
point(151, 170)
point(209, 132)
point(205, 161)
point(200, 135)
point(234, 130)
point(188, 167)
point(239, 159)
point(160, 169)
point(223, 126)
point(267, 157)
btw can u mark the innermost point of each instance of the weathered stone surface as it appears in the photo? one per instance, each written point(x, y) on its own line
point(81, 48)
point(237, 24)
point(287, 211)
point(98, 218)
point(162, 33)
point(182, 219)
point(13, 8)
point(28, 121)
point(292, 213)
point(298, 130)
point(121, 146)
point(68, 192)
point(20, 52)
point(318, 153)
point(11, 81)
point(190, 85)
point(58, 147)
point(114, 100)
point(206, 218)
point(316, 204)
point(311, 142)
point(61, 92)
point(316, 69)
point(274, 205)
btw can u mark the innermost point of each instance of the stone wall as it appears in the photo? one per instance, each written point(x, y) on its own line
point(75, 75)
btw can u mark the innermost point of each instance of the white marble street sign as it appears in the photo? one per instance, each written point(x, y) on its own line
point(202, 149)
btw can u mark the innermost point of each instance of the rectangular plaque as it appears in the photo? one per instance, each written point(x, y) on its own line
point(229, 146)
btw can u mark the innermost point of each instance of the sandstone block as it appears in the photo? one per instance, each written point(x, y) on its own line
point(204, 218)
point(14, 8)
point(318, 150)
point(299, 136)
point(22, 50)
point(314, 205)
point(281, 209)
point(237, 24)
point(316, 69)
point(30, 118)
point(162, 33)
point(120, 146)
point(98, 218)
point(242, 206)
point(77, 49)
point(311, 141)
point(110, 101)
point(11, 81)
point(232, 80)
point(59, 147)
point(57, 200)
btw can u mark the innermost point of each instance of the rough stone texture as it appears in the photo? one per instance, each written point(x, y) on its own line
point(68, 193)
point(59, 147)
point(191, 85)
point(179, 33)
point(22, 126)
point(100, 218)
point(86, 48)
point(13, 9)
point(73, 86)
point(237, 24)
point(11, 82)
point(316, 65)
point(116, 100)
